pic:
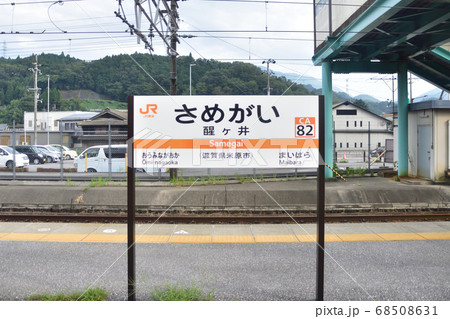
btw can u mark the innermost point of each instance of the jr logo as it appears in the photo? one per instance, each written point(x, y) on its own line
point(149, 107)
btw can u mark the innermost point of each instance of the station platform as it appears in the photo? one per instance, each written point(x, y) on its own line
point(210, 234)
point(355, 194)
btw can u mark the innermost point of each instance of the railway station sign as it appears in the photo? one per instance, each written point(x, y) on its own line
point(226, 131)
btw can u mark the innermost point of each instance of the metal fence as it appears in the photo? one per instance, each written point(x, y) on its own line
point(111, 164)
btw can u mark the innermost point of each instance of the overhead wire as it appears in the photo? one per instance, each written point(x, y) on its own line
point(232, 83)
point(242, 1)
point(281, 59)
point(65, 39)
point(333, 4)
point(37, 32)
point(196, 31)
point(249, 59)
point(133, 59)
point(50, 18)
point(35, 2)
point(12, 19)
point(253, 38)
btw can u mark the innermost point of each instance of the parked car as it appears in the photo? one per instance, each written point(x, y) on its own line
point(377, 151)
point(7, 158)
point(52, 155)
point(95, 159)
point(68, 154)
point(35, 155)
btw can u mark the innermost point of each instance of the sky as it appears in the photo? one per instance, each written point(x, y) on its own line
point(227, 31)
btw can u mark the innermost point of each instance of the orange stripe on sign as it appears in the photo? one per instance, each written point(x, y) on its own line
point(225, 143)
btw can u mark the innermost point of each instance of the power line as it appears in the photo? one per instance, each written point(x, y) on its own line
point(36, 2)
point(59, 32)
point(253, 38)
point(66, 39)
point(50, 18)
point(306, 31)
point(321, 4)
point(250, 60)
point(40, 32)
point(247, 59)
point(240, 1)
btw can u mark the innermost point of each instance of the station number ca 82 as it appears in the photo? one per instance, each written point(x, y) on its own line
point(305, 127)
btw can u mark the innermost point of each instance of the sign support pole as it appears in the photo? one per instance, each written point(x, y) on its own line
point(321, 205)
point(131, 201)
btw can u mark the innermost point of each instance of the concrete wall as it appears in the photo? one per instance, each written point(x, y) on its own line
point(441, 138)
point(6, 138)
point(412, 143)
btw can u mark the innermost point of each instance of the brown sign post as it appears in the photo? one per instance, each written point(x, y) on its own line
point(320, 272)
point(131, 190)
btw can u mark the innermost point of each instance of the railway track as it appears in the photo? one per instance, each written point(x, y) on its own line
point(222, 219)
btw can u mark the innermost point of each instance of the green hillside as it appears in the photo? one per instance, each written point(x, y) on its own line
point(116, 77)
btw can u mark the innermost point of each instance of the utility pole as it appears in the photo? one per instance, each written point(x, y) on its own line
point(163, 21)
point(393, 95)
point(173, 172)
point(162, 17)
point(173, 47)
point(35, 89)
point(268, 73)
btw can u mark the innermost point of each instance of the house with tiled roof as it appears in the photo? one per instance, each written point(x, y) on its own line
point(95, 130)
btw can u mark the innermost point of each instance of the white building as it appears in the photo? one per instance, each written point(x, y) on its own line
point(351, 129)
point(46, 121)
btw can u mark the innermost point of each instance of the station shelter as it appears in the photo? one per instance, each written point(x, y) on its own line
point(386, 37)
point(429, 139)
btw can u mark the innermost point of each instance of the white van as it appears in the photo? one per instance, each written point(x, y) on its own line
point(7, 158)
point(95, 159)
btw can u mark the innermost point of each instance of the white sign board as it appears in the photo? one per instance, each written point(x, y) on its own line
point(226, 131)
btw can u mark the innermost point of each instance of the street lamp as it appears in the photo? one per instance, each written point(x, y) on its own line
point(268, 73)
point(190, 78)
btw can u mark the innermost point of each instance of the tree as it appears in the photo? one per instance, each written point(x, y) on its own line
point(361, 104)
point(71, 105)
point(11, 112)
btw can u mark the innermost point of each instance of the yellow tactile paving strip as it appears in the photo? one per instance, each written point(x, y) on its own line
point(64, 237)
point(190, 239)
point(228, 239)
point(152, 238)
point(401, 236)
point(435, 236)
point(108, 238)
point(275, 239)
point(198, 239)
point(360, 237)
